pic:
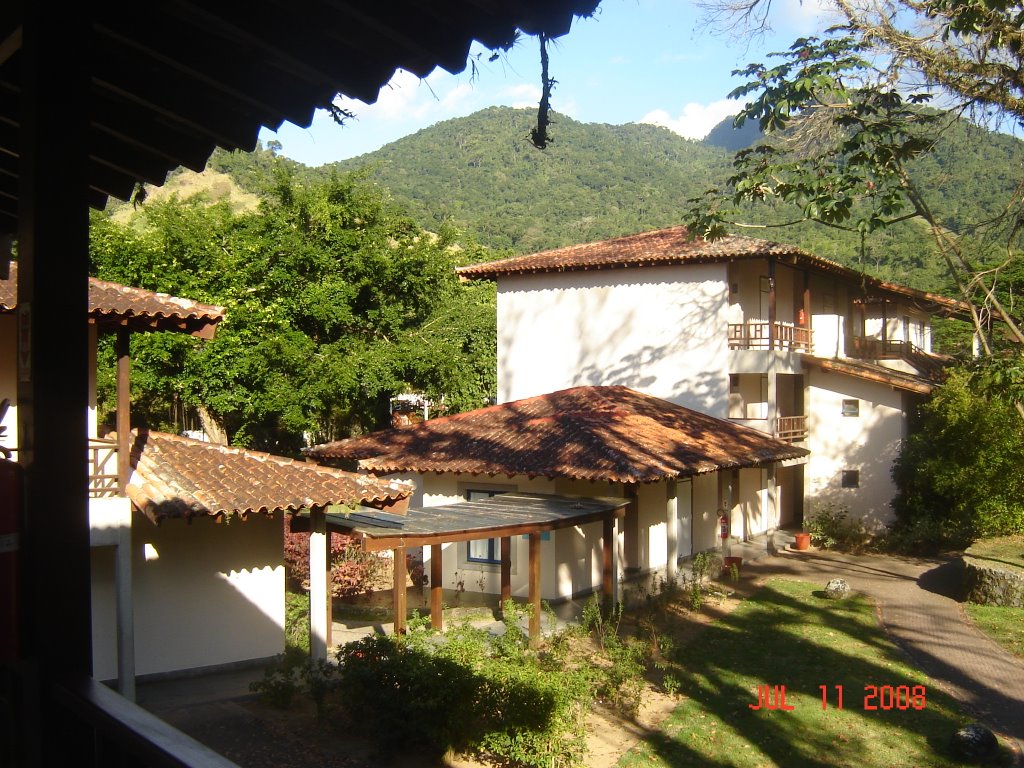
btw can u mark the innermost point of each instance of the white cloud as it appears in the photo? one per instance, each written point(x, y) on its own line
point(695, 120)
point(522, 95)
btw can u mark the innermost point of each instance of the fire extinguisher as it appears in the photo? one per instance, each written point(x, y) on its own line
point(723, 523)
point(10, 510)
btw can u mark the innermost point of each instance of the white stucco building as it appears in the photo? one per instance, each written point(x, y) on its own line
point(678, 469)
point(173, 588)
point(760, 333)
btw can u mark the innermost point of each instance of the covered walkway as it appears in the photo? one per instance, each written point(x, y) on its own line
point(500, 517)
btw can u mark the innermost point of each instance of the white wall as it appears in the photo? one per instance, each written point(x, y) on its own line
point(9, 378)
point(868, 443)
point(208, 594)
point(659, 330)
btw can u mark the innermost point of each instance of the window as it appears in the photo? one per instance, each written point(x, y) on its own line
point(486, 551)
point(851, 478)
point(851, 407)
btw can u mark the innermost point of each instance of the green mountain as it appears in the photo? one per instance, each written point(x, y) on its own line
point(594, 181)
point(598, 181)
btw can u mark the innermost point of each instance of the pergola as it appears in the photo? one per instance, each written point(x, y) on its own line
point(502, 517)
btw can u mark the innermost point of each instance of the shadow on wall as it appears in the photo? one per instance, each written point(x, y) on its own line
point(659, 334)
point(223, 583)
point(871, 456)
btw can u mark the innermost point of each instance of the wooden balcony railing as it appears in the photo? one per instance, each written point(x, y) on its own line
point(867, 348)
point(103, 468)
point(124, 734)
point(769, 336)
point(791, 428)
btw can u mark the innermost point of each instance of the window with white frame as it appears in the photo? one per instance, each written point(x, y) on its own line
point(483, 551)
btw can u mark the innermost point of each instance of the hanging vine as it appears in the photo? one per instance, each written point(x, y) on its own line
point(539, 135)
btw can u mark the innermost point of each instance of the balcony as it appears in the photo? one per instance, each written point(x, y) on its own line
point(103, 481)
point(868, 348)
point(791, 429)
point(761, 335)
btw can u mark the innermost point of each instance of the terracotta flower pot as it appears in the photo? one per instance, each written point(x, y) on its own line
point(803, 541)
point(729, 562)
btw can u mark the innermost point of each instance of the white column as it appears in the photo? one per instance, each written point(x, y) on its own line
point(672, 530)
point(318, 577)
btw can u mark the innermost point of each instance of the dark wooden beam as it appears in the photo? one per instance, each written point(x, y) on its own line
point(608, 562)
point(506, 569)
point(399, 590)
point(53, 388)
point(534, 587)
point(134, 123)
point(436, 588)
point(124, 398)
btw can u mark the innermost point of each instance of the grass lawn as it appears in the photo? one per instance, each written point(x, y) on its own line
point(788, 634)
point(1002, 624)
point(1007, 551)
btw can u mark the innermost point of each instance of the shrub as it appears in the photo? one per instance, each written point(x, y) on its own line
point(831, 528)
point(282, 679)
point(458, 692)
point(353, 571)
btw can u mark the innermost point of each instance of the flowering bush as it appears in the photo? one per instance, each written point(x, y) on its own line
point(353, 571)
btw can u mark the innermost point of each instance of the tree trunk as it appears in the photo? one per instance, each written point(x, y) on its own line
point(214, 429)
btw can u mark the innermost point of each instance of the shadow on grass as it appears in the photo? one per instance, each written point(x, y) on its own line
point(785, 636)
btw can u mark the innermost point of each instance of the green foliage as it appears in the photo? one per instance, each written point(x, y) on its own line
point(830, 527)
point(282, 679)
point(335, 302)
point(959, 476)
point(464, 691)
point(296, 621)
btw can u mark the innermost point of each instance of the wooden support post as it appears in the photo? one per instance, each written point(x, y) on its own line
point(807, 310)
point(506, 570)
point(53, 355)
point(608, 566)
point(436, 588)
point(318, 587)
point(772, 298)
point(398, 590)
point(534, 587)
point(124, 399)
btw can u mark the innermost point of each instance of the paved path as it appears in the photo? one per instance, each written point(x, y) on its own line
point(915, 597)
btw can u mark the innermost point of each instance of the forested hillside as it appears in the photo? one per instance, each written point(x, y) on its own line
point(597, 181)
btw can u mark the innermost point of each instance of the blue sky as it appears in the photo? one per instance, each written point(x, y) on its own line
point(635, 61)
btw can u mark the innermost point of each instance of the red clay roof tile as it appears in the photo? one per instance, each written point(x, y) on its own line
point(612, 434)
point(113, 304)
point(673, 246)
point(180, 477)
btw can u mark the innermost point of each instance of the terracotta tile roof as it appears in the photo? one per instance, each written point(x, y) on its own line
point(872, 372)
point(181, 477)
point(116, 305)
point(588, 433)
point(672, 246)
point(659, 247)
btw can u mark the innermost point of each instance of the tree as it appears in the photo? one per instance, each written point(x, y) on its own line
point(844, 138)
point(335, 301)
point(959, 473)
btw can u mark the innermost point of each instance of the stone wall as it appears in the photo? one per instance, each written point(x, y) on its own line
point(989, 583)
